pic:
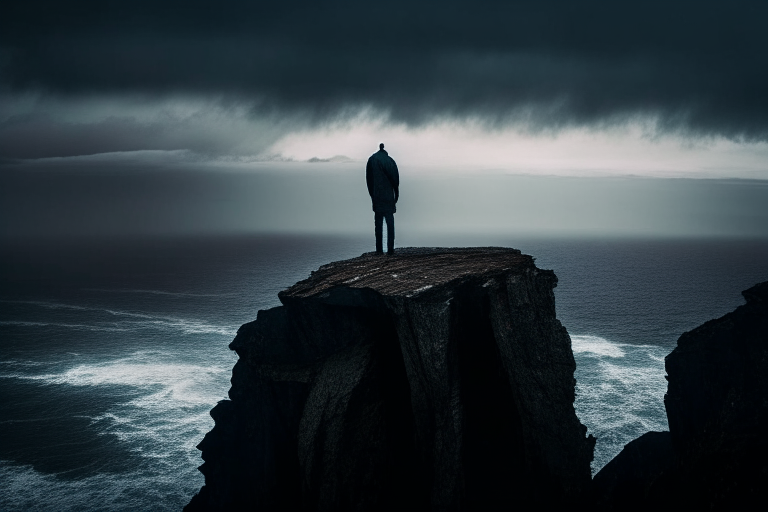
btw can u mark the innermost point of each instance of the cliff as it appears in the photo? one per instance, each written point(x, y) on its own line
point(433, 379)
point(715, 454)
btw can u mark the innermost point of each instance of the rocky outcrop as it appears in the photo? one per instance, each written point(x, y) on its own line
point(717, 406)
point(625, 482)
point(434, 379)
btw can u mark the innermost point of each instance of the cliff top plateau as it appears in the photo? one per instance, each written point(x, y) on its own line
point(411, 270)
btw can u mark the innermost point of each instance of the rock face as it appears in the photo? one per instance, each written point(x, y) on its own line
point(717, 406)
point(625, 482)
point(433, 379)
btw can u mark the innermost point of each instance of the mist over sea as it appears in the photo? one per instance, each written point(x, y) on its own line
point(113, 352)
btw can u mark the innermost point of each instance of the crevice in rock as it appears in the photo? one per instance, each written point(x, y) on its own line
point(386, 395)
point(369, 442)
point(492, 449)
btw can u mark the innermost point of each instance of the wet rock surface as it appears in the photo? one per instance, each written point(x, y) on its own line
point(435, 379)
point(717, 406)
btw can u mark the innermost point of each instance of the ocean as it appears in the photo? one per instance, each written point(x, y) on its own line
point(113, 352)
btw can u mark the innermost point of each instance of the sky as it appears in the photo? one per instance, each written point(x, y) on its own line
point(641, 118)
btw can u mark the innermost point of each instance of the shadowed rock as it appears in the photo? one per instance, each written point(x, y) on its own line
point(717, 406)
point(625, 481)
point(434, 379)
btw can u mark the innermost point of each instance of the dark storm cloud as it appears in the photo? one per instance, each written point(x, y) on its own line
point(699, 67)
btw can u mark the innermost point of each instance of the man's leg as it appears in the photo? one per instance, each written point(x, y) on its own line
point(377, 222)
point(390, 217)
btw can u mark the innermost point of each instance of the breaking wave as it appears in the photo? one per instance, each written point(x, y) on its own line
point(26, 489)
point(164, 414)
point(595, 345)
point(619, 392)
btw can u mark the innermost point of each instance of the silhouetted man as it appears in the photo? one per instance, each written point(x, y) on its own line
point(383, 181)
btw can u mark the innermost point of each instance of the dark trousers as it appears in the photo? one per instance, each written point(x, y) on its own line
point(390, 218)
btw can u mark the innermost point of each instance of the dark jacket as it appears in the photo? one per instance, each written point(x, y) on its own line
point(383, 182)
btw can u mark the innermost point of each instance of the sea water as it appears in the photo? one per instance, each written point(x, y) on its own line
point(112, 353)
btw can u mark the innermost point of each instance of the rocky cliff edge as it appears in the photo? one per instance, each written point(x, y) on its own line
point(433, 379)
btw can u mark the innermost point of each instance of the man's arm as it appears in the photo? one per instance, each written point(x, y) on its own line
point(369, 177)
point(394, 179)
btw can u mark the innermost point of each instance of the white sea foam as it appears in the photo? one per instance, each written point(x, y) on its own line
point(24, 488)
point(595, 345)
point(162, 417)
point(186, 326)
point(180, 382)
point(191, 326)
point(167, 415)
point(619, 392)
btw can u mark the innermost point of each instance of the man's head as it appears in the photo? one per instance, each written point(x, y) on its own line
point(381, 145)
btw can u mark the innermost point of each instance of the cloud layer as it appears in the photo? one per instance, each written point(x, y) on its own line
point(697, 68)
point(37, 126)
